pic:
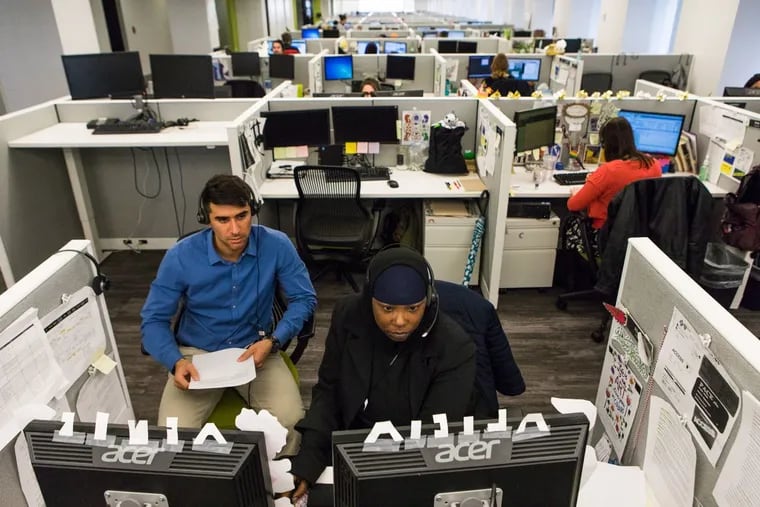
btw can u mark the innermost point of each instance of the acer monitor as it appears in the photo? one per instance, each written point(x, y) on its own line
point(365, 123)
point(330, 33)
point(104, 75)
point(245, 63)
point(77, 474)
point(338, 67)
point(182, 76)
point(535, 128)
point(399, 67)
point(479, 66)
point(392, 46)
point(282, 66)
point(525, 69)
point(303, 127)
point(537, 472)
point(655, 133)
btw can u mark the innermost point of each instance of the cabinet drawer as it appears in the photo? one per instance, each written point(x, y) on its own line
point(527, 268)
point(448, 263)
point(522, 238)
point(449, 235)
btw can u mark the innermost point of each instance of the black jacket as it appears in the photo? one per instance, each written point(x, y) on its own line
point(674, 212)
point(496, 367)
point(441, 367)
point(504, 85)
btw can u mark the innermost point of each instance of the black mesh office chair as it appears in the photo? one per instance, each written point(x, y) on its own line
point(657, 76)
point(596, 82)
point(245, 88)
point(332, 227)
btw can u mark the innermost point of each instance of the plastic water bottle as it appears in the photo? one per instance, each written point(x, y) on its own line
point(704, 169)
point(268, 85)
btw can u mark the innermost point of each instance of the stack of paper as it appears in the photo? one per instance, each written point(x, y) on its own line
point(222, 369)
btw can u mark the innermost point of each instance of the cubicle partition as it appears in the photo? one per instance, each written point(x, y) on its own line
point(626, 69)
point(315, 46)
point(412, 43)
point(484, 44)
point(375, 66)
point(565, 74)
point(751, 104)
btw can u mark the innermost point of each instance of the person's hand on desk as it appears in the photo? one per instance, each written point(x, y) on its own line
point(259, 350)
point(301, 491)
point(183, 372)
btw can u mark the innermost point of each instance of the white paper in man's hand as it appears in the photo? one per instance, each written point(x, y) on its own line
point(222, 369)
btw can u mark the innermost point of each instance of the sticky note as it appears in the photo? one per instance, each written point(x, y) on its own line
point(302, 151)
point(280, 153)
point(350, 148)
point(290, 152)
point(373, 148)
point(361, 148)
point(104, 364)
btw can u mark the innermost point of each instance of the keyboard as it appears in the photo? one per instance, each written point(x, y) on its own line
point(374, 173)
point(571, 177)
point(129, 127)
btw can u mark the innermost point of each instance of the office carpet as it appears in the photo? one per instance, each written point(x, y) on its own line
point(553, 348)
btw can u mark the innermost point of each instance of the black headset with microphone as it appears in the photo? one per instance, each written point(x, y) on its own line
point(101, 282)
point(202, 214)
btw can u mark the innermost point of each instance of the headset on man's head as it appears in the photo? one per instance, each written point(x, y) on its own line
point(202, 214)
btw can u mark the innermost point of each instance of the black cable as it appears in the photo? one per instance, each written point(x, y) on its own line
point(171, 189)
point(134, 173)
point(181, 188)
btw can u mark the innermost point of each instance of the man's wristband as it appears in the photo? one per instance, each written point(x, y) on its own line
point(275, 343)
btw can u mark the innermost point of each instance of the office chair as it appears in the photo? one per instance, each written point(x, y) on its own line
point(331, 225)
point(673, 212)
point(242, 88)
point(657, 76)
point(596, 82)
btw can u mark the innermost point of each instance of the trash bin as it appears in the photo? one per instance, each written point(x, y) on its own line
point(722, 272)
point(751, 299)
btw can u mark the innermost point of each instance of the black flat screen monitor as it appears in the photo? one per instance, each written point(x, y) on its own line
point(479, 66)
point(282, 66)
point(535, 128)
point(525, 69)
point(365, 123)
point(330, 33)
point(338, 67)
point(447, 46)
point(737, 91)
point(245, 64)
point(306, 127)
point(522, 33)
point(310, 33)
point(535, 472)
point(399, 67)
point(655, 133)
point(393, 46)
point(466, 46)
point(573, 45)
point(456, 34)
point(542, 43)
point(182, 76)
point(77, 474)
point(429, 35)
point(99, 75)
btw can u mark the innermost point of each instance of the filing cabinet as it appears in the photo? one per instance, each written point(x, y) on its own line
point(447, 244)
point(530, 249)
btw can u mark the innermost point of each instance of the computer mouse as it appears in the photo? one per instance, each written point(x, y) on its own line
point(393, 183)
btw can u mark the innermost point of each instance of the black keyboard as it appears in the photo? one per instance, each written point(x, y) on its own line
point(571, 177)
point(129, 127)
point(374, 173)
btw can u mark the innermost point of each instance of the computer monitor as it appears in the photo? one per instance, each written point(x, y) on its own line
point(399, 67)
point(365, 123)
point(456, 34)
point(466, 46)
point(522, 33)
point(330, 33)
point(540, 471)
point(573, 45)
point(361, 46)
point(76, 474)
point(305, 127)
point(525, 69)
point(182, 76)
point(479, 66)
point(655, 133)
point(447, 46)
point(429, 34)
point(114, 75)
point(300, 45)
point(310, 33)
point(535, 128)
point(338, 67)
point(392, 46)
point(282, 66)
point(737, 91)
point(542, 43)
point(245, 64)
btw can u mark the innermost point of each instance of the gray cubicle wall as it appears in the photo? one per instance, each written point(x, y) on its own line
point(316, 46)
point(300, 71)
point(651, 287)
point(375, 65)
point(37, 209)
point(369, 34)
point(62, 274)
point(751, 104)
point(626, 69)
point(412, 43)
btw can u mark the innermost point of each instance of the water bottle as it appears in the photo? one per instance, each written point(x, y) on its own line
point(704, 169)
point(268, 85)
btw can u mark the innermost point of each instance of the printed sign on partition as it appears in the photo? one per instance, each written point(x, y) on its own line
point(415, 127)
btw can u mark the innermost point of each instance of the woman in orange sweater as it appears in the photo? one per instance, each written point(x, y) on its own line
point(624, 164)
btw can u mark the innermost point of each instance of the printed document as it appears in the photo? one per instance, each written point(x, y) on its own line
point(222, 369)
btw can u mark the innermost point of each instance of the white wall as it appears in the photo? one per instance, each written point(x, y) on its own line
point(145, 25)
point(577, 18)
point(30, 54)
point(76, 26)
point(189, 27)
point(743, 58)
point(609, 37)
point(541, 15)
point(704, 29)
point(281, 17)
point(639, 17)
point(251, 21)
point(99, 17)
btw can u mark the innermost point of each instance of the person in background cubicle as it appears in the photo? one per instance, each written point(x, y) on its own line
point(370, 49)
point(225, 277)
point(500, 80)
point(277, 47)
point(389, 355)
point(753, 82)
point(369, 87)
point(287, 44)
point(623, 164)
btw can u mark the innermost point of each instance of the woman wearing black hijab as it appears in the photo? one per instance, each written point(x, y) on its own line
point(389, 355)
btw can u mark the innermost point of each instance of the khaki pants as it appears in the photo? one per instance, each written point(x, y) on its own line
point(273, 389)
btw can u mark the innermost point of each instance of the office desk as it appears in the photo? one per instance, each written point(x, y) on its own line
point(71, 137)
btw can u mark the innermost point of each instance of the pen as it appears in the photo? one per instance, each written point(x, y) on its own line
point(458, 185)
point(448, 185)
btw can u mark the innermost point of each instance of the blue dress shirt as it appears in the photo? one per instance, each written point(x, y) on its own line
point(227, 304)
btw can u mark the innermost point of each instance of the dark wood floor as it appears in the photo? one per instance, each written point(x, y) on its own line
point(552, 347)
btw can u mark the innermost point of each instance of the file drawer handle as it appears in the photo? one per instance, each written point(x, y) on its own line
point(521, 235)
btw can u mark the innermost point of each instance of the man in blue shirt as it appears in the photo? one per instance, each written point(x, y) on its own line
point(225, 277)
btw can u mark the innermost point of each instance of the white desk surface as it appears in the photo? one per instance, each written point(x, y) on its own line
point(77, 135)
point(411, 185)
point(522, 186)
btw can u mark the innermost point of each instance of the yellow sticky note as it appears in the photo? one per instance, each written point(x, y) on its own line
point(726, 168)
point(373, 148)
point(302, 151)
point(290, 152)
point(280, 153)
point(104, 364)
point(361, 147)
point(350, 148)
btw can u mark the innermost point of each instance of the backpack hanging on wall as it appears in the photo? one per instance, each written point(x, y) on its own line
point(445, 151)
point(740, 226)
